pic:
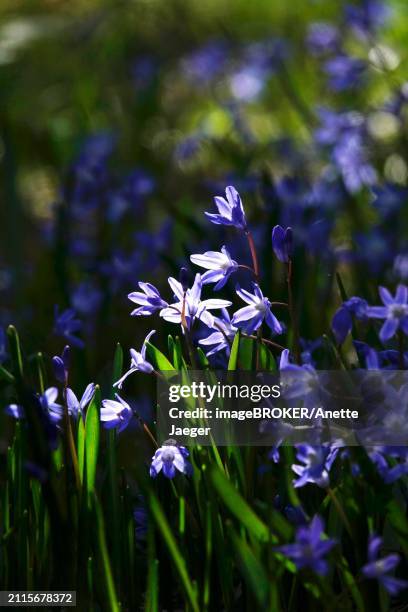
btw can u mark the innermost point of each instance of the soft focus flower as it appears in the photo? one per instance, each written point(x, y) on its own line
point(149, 300)
point(282, 243)
point(61, 365)
point(15, 411)
point(401, 266)
point(3, 345)
point(350, 155)
point(66, 325)
point(342, 321)
point(138, 361)
point(190, 305)
point(76, 407)
point(86, 298)
point(394, 311)
point(220, 266)
point(310, 548)
point(366, 16)
point(322, 38)
point(230, 210)
point(317, 462)
point(116, 413)
point(250, 317)
point(220, 340)
point(381, 568)
point(344, 72)
point(169, 458)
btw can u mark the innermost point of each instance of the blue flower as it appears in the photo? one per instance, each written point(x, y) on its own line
point(220, 340)
point(342, 321)
point(282, 243)
point(344, 72)
point(317, 462)
point(66, 325)
point(50, 406)
point(389, 199)
point(190, 305)
point(220, 266)
point(138, 361)
point(116, 413)
point(322, 38)
point(309, 549)
point(230, 210)
point(381, 568)
point(149, 300)
point(401, 266)
point(250, 317)
point(86, 298)
point(61, 365)
point(350, 155)
point(205, 63)
point(77, 407)
point(14, 410)
point(394, 311)
point(367, 16)
point(169, 458)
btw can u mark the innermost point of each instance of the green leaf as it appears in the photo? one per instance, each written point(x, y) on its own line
point(117, 367)
point(266, 359)
point(173, 549)
point(6, 375)
point(81, 447)
point(157, 359)
point(251, 569)
point(239, 507)
point(15, 350)
point(233, 359)
point(92, 429)
point(112, 601)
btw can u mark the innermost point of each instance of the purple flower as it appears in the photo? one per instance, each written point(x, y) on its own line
point(350, 156)
point(61, 365)
point(138, 361)
point(86, 298)
point(366, 17)
point(317, 462)
point(190, 305)
point(220, 266)
point(149, 300)
point(250, 317)
point(76, 407)
point(344, 72)
point(309, 549)
point(66, 325)
point(401, 266)
point(322, 38)
point(205, 63)
point(220, 340)
point(394, 311)
point(230, 210)
point(169, 458)
point(381, 568)
point(282, 243)
point(50, 406)
point(342, 321)
point(116, 413)
point(14, 410)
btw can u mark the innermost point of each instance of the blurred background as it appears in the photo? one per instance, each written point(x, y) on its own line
point(120, 120)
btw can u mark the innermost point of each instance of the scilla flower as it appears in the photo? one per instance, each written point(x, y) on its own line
point(220, 266)
point(138, 361)
point(317, 461)
point(148, 298)
point(116, 413)
point(221, 339)
point(394, 311)
point(282, 243)
point(250, 317)
point(190, 306)
point(381, 568)
point(310, 548)
point(169, 458)
point(76, 407)
point(230, 210)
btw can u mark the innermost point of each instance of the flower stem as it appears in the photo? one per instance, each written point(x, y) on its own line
point(253, 254)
